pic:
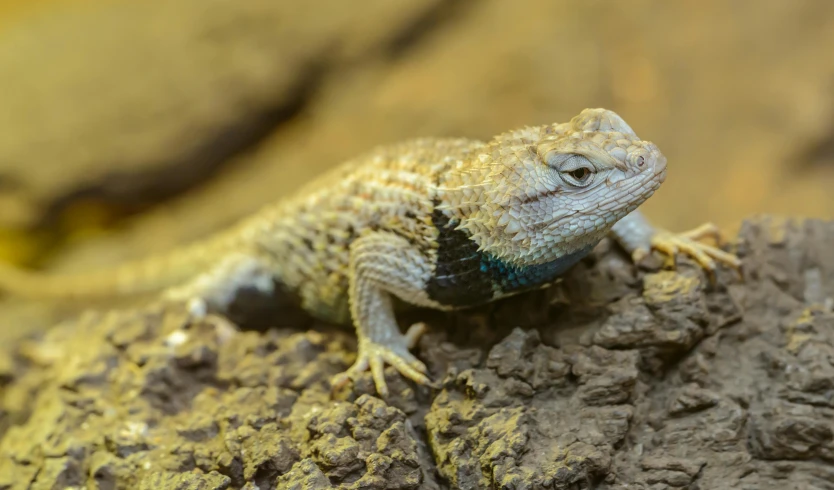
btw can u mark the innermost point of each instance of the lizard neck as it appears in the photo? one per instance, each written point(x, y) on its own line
point(473, 207)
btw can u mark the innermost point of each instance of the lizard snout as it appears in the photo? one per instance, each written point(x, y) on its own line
point(660, 167)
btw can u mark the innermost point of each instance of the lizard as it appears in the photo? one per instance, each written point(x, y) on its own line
point(443, 223)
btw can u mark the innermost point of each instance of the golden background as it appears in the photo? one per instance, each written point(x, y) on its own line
point(129, 127)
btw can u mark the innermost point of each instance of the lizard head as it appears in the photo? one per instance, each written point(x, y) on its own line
point(547, 191)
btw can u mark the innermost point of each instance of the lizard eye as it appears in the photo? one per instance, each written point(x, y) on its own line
point(575, 170)
point(580, 174)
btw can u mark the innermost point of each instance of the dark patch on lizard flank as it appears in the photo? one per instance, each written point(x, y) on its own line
point(464, 277)
point(458, 279)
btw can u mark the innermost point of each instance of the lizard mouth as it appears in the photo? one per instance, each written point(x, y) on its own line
point(661, 175)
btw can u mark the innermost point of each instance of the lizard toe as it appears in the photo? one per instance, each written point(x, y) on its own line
point(724, 257)
point(414, 333)
point(706, 230)
point(373, 356)
point(378, 373)
point(697, 252)
point(359, 366)
point(707, 256)
point(667, 244)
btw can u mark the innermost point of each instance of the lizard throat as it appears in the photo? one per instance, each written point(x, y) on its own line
point(463, 276)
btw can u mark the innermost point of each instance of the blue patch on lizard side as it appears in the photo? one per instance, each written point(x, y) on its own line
point(510, 278)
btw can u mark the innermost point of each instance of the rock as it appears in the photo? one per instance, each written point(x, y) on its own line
point(677, 383)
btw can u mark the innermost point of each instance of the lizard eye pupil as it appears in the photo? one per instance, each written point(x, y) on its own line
point(580, 174)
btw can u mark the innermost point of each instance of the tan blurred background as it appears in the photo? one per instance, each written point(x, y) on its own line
point(127, 127)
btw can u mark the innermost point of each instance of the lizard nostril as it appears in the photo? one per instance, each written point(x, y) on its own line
point(641, 161)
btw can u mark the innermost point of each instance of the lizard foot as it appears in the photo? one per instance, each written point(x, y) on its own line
point(373, 355)
point(688, 243)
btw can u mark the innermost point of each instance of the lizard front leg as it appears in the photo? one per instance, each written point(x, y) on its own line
point(382, 265)
point(638, 237)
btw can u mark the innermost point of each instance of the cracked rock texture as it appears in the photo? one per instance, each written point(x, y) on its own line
point(619, 378)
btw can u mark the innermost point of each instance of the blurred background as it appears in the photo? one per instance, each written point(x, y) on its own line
point(128, 127)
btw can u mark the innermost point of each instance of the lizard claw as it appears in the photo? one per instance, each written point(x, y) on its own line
point(373, 355)
point(705, 255)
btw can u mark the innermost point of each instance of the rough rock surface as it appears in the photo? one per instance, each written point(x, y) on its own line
point(620, 378)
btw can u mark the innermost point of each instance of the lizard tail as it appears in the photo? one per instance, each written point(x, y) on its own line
point(131, 278)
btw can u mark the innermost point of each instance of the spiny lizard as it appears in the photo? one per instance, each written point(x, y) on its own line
point(439, 223)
